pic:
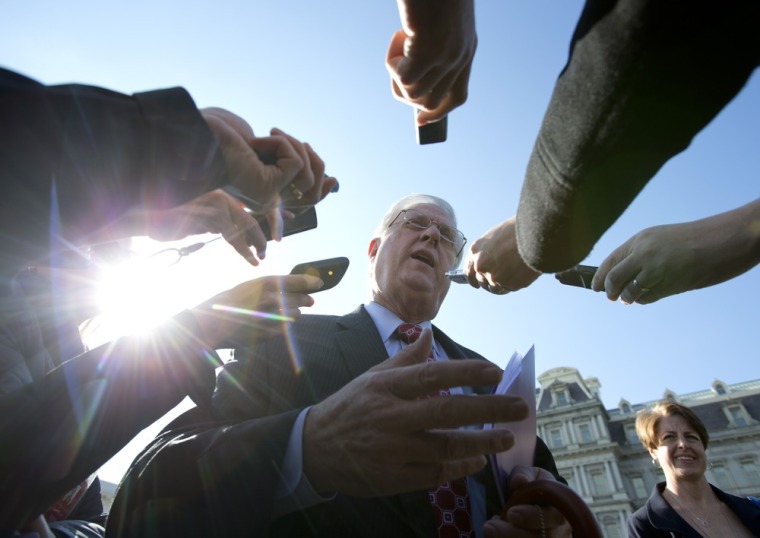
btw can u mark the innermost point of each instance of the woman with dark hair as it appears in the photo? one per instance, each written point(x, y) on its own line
point(686, 504)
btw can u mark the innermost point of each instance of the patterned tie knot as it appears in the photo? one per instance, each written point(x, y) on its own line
point(409, 332)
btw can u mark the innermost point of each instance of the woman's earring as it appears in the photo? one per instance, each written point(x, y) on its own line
point(656, 463)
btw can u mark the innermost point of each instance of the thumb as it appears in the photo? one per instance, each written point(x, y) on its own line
point(414, 353)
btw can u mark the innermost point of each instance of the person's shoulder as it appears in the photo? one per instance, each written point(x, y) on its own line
point(639, 523)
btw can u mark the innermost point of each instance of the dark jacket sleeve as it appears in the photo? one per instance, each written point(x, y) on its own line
point(74, 157)
point(643, 78)
point(61, 429)
point(202, 477)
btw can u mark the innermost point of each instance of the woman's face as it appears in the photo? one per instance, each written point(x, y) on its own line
point(680, 450)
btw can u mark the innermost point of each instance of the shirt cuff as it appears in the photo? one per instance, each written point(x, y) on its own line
point(294, 492)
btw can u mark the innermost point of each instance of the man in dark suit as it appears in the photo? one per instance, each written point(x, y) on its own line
point(337, 493)
point(372, 432)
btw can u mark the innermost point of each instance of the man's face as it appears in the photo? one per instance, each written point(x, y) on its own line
point(408, 266)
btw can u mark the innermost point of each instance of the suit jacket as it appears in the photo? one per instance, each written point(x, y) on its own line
point(72, 158)
point(658, 519)
point(320, 355)
point(99, 153)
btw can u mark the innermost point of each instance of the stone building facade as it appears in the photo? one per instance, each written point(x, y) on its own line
point(598, 452)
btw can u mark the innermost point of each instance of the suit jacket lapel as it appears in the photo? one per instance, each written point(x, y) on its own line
point(359, 342)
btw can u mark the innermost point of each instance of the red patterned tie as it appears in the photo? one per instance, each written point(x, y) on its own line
point(451, 504)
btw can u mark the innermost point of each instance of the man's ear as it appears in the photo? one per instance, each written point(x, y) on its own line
point(373, 246)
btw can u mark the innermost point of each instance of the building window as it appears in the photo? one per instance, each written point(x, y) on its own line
point(625, 408)
point(639, 489)
point(569, 476)
point(720, 389)
point(750, 471)
point(599, 481)
point(584, 429)
point(631, 435)
point(555, 438)
point(611, 526)
point(560, 397)
point(722, 476)
point(738, 415)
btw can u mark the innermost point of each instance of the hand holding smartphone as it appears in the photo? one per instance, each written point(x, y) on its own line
point(432, 133)
point(580, 275)
point(305, 221)
point(330, 270)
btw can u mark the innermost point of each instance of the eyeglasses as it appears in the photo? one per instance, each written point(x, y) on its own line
point(419, 221)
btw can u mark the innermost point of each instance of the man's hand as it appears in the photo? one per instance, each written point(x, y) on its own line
point(665, 260)
point(528, 520)
point(494, 263)
point(296, 179)
point(255, 310)
point(213, 212)
point(380, 435)
point(430, 59)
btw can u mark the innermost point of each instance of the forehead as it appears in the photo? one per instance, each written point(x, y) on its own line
point(673, 423)
point(435, 212)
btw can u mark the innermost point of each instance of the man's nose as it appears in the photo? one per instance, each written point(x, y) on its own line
point(433, 232)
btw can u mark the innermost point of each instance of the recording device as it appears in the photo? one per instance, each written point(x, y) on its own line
point(305, 221)
point(431, 133)
point(331, 270)
point(580, 276)
point(457, 276)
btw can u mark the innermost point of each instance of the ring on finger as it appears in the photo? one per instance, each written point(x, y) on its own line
point(640, 287)
point(295, 191)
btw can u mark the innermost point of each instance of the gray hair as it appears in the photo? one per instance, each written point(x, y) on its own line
point(412, 200)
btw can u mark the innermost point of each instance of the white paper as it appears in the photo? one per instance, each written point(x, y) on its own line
point(519, 379)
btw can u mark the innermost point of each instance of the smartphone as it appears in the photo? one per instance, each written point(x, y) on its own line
point(457, 276)
point(431, 133)
point(305, 221)
point(331, 270)
point(580, 276)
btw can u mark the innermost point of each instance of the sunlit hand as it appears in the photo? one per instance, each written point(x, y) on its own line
point(293, 170)
point(665, 260)
point(297, 197)
point(311, 185)
point(255, 310)
point(213, 212)
point(527, 520)
point(494, 264)
point(430, 59)
point(379, 436)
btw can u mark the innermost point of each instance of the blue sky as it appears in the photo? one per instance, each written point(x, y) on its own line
point(316, 70)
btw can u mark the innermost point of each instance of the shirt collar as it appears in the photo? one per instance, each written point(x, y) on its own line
point(386, 321)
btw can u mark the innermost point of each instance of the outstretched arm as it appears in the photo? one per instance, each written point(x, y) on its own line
point(666, 260)
point(430, 58)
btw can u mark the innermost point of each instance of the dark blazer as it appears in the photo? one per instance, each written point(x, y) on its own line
point(330, 351)
point(106, 151)
point(658, 519)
